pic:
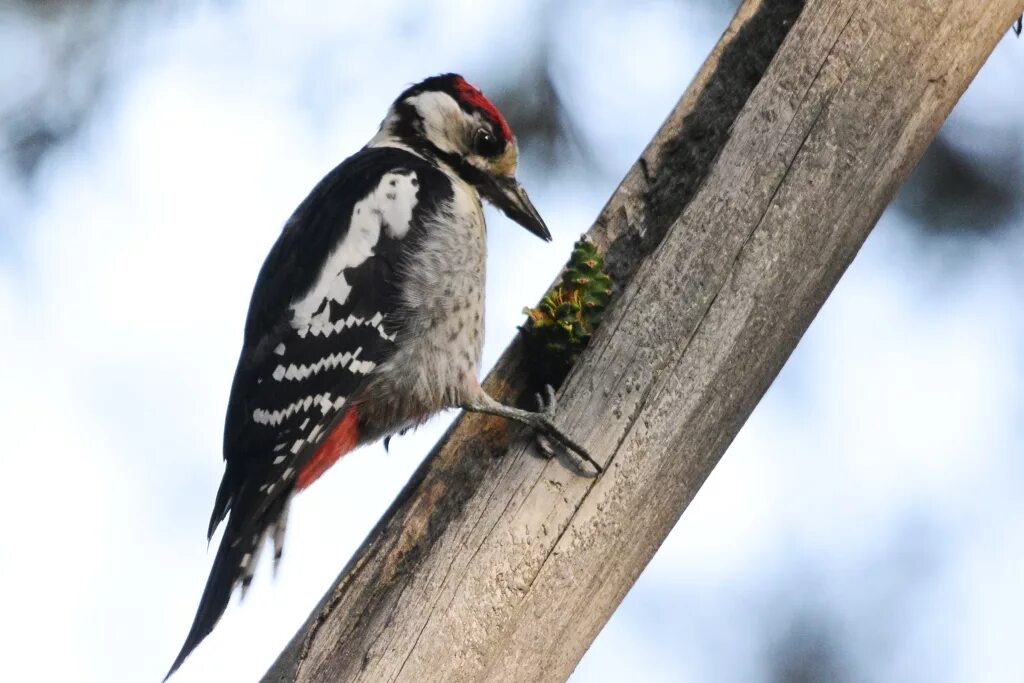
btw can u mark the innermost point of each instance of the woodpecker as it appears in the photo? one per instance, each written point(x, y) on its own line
point(366, 317)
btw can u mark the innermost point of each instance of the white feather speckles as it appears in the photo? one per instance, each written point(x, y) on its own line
point(275, 417)
point(388, 207)
point(321, 324)
point(313, 426)
point(377, 322)
point(362, 367)
point(335, 360)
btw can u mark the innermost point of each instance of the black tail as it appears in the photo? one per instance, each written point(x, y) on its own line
point(235, 563)
point(224, 575)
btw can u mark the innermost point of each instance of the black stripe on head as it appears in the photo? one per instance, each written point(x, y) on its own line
point(443, 83)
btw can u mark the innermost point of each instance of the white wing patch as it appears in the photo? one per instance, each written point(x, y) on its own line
point(399, 200)
point(389, 206)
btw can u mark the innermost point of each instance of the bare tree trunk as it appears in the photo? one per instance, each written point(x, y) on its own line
point(724, 240)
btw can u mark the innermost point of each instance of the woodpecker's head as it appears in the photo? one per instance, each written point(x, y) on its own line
point(447, 119)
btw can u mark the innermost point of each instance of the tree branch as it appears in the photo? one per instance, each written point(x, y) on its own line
point(724, 240)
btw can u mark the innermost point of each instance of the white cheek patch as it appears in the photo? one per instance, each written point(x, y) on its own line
point(444, 122)
point(388, 207)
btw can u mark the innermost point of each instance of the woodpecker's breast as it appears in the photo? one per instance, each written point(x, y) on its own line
point(439, 344)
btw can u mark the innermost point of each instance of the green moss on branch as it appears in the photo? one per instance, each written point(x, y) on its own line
point(560, 327)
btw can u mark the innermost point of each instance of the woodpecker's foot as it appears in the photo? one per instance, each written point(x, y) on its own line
point(541, 423)
point(547, 404)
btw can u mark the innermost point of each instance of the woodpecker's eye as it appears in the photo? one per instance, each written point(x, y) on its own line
point(485, 144)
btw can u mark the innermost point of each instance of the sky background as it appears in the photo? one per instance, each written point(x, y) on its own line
point(866, 525)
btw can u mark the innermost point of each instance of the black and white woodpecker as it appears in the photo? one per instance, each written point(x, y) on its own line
point(366, 317)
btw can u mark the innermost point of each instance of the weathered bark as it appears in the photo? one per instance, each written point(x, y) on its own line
point(724, 240)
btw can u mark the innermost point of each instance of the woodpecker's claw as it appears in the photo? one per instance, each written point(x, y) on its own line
point(547, 406)
point(547, 451)
point(547, 431)
point(545, 409)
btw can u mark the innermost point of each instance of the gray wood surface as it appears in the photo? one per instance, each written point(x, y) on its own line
point(724, 241)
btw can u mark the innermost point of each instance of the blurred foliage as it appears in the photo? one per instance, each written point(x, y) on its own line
point(968, 193)
point(69, 46)
point(72, 42)
point(63, 49)
point(537, 113)
point(809, 649)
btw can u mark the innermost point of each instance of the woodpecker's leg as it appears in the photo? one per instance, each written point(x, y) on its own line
point(540, 422)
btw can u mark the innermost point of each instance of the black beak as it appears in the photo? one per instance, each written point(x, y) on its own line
point(509, 196)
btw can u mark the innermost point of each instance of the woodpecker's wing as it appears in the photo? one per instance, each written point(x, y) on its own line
point(322, 317)
point(323, 311)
